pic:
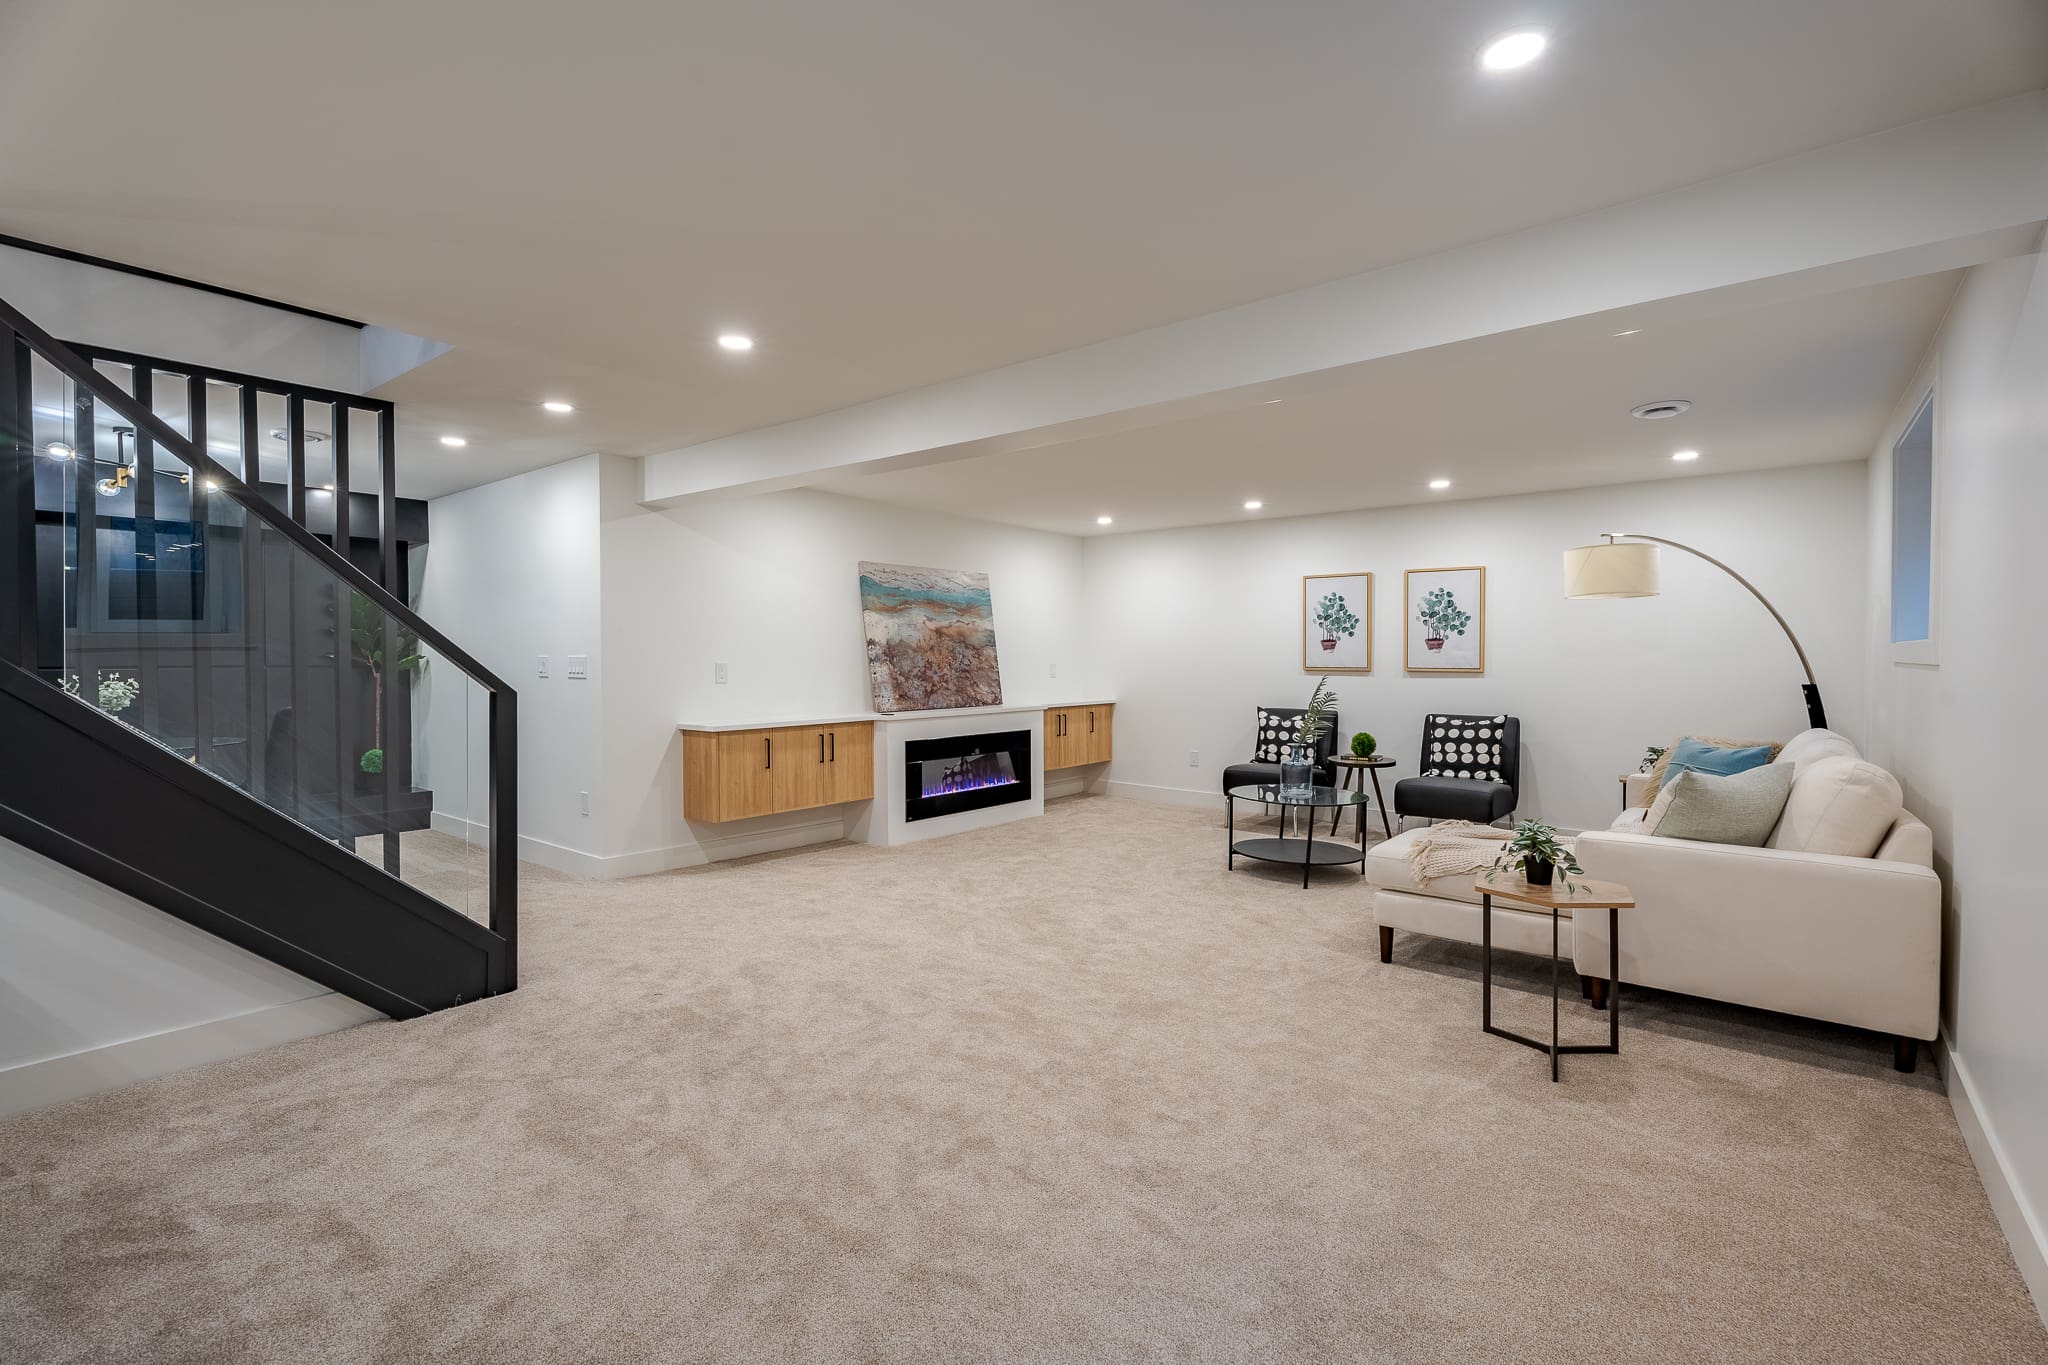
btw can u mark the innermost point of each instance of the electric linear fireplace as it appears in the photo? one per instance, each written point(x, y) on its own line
point(965, 772)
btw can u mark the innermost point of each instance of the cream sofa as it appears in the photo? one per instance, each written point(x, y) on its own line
point(1850, 939)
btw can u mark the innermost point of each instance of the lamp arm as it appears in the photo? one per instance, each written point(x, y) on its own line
point(1797, 648)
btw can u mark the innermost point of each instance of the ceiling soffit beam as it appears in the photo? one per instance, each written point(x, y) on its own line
point(1946, 192)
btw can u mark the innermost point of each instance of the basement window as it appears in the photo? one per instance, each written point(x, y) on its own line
point(1913, 538)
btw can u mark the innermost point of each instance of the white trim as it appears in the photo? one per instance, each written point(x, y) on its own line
point(2023, 1226)
point(57, 1079)
point(721, 847)
point(1200, 798)
point(573, 861)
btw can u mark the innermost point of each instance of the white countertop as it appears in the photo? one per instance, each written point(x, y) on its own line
point(852, 718)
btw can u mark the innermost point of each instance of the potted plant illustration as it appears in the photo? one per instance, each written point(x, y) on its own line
point(1536, 852)
point(1441, 618)
point(366, 646)
point(116, 693)
point(1336, 619)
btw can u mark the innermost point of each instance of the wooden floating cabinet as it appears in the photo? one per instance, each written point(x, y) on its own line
point(1075, 735)
point(736, 774)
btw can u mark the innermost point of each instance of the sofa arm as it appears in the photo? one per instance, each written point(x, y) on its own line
point(1635, 791)
point(1851, 940)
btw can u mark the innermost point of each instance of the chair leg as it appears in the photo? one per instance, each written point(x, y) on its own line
point(1597, 991)
point(1386, 943)
point(1585, 986)
point(1905, 1053)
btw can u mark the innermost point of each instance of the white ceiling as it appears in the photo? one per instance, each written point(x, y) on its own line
point(1806, 382)
point(579, 197)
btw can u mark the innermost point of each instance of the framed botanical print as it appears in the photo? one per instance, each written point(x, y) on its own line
point(1444, 624)
point(1336, 623)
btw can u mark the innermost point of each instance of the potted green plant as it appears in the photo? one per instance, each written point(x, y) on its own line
point(1297, 760)
point(1441, 618)
point(1363, 745)
point(366, 646)
point(1537, 853)
point(1336, 619)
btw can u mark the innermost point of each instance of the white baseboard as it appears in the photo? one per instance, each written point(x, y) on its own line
point(2023, 1226)
point(1203, 798)
point(57, 1079)
point(719, 848)
point(573, 861)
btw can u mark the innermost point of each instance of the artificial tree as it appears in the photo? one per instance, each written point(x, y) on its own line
point(366, 643)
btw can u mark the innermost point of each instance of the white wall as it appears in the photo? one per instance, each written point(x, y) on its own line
point(1962, 735)
point(98, 989)
point(1195, 628)
point(512, 573)
point(768, 586)
point(86, 303)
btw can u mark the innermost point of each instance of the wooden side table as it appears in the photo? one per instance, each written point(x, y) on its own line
point(1612, 897)
point(1351, 766)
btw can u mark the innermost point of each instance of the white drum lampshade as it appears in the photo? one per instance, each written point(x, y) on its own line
point(1611, 570)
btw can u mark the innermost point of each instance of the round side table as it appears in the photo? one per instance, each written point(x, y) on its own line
point(1351, 767)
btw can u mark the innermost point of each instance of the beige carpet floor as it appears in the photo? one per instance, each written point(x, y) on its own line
point(1061, 1090)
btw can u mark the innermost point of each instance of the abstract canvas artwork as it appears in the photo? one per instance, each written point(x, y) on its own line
point(931, 638)
point(1336, 623)
point(1446, 620)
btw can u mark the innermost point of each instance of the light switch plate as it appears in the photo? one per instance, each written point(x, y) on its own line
point(718, 673)
point(543, 665)
point(579, 665)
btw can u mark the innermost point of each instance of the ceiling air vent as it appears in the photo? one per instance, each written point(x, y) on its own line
point(1662, 408)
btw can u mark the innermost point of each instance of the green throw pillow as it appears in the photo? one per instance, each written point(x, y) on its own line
point(1742, 808)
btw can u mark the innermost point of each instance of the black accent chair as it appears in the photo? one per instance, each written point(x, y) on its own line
point(1257, 770)
point(1469, 770)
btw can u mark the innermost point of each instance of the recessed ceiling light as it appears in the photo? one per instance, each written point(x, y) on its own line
point(1629, 333)
point(1254, 505)
point(60, 450)
point(326, 488)
point(1511, 50)
point(213, 483)
point(313, 438)
point(1685, 456)
point(1271, 401)
point(557, 405)
point(455, 442)
point(1103, 521)
point(736, 341)
point(1439, 485)
point(1662, 408)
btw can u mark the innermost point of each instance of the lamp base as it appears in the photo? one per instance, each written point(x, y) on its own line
point(1816, 714)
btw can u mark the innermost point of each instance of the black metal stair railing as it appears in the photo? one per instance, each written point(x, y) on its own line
point(267, 652)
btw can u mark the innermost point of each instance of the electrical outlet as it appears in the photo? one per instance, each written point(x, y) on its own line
point(583, 800)
point(718, 673)
point(543, 665)
point(1055, 670)
point(1194, 758)
point(579, 665)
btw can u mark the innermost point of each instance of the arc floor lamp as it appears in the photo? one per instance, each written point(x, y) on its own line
point(1625, 565)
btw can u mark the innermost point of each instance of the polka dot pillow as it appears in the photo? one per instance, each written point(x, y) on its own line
point(1275, 733)
point(1464, 746)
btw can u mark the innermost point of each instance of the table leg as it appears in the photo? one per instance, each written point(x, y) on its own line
point(1553, 995)
point(1379, 801)
point(1485, 960)
point(1308, 849)
point(1230, 857)
point(1613, 979)
point(1337, 812)
point(1361, 841)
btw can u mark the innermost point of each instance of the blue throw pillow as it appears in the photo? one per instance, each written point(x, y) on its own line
point(1691, 756)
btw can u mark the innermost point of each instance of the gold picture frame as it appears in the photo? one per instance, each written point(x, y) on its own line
point(1333, 648)
point(1460, 650)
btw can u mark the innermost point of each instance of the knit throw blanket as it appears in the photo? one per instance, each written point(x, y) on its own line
point(1455, 846)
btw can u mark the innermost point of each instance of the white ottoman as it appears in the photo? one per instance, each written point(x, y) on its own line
point(1447, 907)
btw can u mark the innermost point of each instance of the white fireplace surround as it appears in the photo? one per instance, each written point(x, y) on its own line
point(883, 822)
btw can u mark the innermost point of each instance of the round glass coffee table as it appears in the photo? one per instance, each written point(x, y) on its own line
point(1304, 852)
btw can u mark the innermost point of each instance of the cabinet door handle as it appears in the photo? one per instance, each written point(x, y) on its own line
point(767, 752)
point(821, 746)
point(1091, 722)
point(835, 746)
